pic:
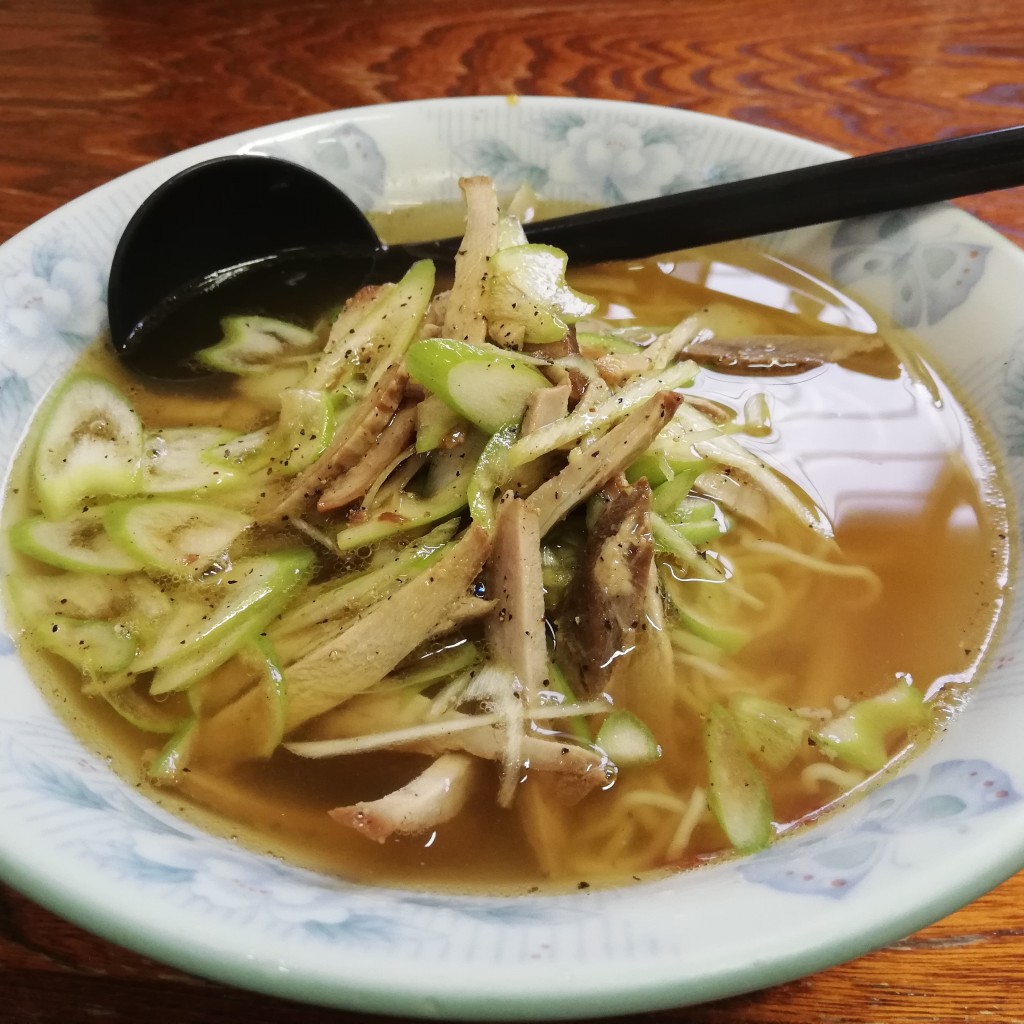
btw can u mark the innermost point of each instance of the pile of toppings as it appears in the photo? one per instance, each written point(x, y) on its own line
point(467, 525)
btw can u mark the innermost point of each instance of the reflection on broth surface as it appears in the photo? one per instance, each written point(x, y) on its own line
point(891, 582)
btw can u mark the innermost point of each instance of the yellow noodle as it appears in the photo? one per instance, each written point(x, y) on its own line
point(695, 810)
point(815, 774)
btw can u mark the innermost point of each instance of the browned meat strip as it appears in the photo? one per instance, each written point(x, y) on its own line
point(616, 368)
point(781, 353)
point(588, 471)
point(362, 298)
point(463, 318)
point(435, 796)
point(568, 346)
point(355, 482)
point(352, 442)
point(368, 649)
point(571, 375)
point(545, 406)
point(515, 629)
point(462, 611)
point(578, 770)
point(604, 606)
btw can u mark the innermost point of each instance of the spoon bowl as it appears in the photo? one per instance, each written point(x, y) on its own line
point(216, 233)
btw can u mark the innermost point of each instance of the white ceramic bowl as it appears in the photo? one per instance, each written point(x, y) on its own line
point(949, 827)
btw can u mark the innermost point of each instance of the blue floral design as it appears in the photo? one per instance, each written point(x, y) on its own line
point(605, 162)
point(1011, 420)
point(50, 309)
point(499, 161)
point(928, 277)
point(57, 300)
point(833, 861)
point(246, 887)
point(346, 155)
point(135, 842)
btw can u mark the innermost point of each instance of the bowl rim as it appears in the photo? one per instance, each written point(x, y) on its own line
point(487, 993)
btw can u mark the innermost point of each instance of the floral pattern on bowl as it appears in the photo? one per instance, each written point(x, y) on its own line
point(131, 840)
point(87, 844)
point(346, 155)
point(832, 861)
point(930, 274)
point(601, 161)
point(50, 308)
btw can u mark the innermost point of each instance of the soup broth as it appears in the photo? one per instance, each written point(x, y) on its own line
point(816, 613)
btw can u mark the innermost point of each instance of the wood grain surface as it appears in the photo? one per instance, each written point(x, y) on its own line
point(89, 90)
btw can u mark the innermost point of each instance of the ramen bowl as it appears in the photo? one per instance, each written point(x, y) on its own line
point(86, 844)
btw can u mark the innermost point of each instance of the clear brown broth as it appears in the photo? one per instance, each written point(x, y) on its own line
point(917, 480)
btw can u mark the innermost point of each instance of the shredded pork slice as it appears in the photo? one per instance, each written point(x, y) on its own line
point(603, 609)
point(616, 368)
point(463, 317)
point(560, 374)
point(781, 353)
point(461, 612)
point(563, 368)
point(515, 629)
point(591, 468)
point(579, 770)
point(390, 630)
point(435, 796)
point(644, 680)
point(354, 440)
point(567, 346)
point(433, 322)
point(355, 482)
point(544, 406)
point(362, 298)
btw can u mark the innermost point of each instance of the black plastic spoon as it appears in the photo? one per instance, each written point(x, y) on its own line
point(253, 234)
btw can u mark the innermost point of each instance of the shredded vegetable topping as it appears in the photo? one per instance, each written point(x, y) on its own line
point(485, 529)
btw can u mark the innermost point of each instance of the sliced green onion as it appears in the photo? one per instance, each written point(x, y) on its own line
point(858, 736)
point(771, 732)
point(736, 792)
point(627, 740)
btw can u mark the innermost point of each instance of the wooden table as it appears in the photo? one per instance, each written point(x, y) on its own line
point(89, 90)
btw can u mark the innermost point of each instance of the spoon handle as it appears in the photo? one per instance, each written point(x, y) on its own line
point(825, 192)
